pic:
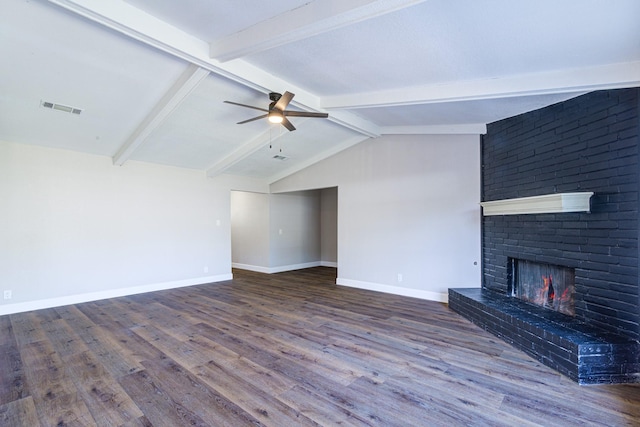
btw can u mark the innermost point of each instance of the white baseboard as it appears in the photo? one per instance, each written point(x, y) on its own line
point(396, 290)
point(328, 264)
point(291, 267)
point(114, 293)
point(256, 268)
point(279, 269)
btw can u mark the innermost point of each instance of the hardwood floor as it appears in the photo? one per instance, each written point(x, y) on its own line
point(289, 349)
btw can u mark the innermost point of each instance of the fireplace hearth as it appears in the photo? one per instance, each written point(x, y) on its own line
point(583, 353)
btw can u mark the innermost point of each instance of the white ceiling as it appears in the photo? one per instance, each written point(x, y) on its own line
point(151, 75)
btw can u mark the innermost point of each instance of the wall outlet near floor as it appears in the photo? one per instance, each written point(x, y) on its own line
point(399, 277)
point(206, 269)
point(8, 294)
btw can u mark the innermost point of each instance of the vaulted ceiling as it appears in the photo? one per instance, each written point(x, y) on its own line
point(149, 77)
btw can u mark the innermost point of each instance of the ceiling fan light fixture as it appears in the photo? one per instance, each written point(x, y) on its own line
point(277, 112)
point(275, 117)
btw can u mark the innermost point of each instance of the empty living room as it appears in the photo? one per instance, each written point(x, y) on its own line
point(354, 212)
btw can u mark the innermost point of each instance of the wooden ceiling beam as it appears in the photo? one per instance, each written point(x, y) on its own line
point(612, 76)
point(187, 82)
point(309, 20)
point(243, 152)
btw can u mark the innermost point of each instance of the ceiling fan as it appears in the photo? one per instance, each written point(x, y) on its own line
point(277, 112)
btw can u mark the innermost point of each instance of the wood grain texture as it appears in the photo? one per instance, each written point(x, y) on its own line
point(288, 349)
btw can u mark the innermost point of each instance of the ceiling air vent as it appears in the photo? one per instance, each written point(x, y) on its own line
point(279, 157)
point(61, 107)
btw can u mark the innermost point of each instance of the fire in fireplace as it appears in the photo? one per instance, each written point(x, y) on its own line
point(551, 286)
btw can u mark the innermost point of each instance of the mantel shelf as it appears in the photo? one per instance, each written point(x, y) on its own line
point(548, 203)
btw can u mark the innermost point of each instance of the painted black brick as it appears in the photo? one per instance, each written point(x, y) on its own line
point(589, 143)
point(586, 354)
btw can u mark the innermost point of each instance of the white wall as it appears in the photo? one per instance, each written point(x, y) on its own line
point(250, 230)
point(408, 205)
point(295, 230)
point(329, 227)
point(73, 227)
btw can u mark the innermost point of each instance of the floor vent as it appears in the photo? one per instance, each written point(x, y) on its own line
point(61, 107)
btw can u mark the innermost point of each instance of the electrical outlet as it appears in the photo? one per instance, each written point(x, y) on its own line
point(206, 269)
point(7, 294)
point(399, 277)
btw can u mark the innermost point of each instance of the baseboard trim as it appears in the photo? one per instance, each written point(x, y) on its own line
point(114, 293)
point(396, 290)
point(292, 267)
point(328, 264)
point(279, 269)
point(250, 267)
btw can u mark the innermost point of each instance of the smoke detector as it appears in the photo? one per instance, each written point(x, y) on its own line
point(61, 107)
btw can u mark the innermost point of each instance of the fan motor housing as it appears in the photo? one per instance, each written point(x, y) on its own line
point(275, 96)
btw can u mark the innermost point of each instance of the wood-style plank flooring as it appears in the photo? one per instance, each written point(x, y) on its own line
point(289, 349)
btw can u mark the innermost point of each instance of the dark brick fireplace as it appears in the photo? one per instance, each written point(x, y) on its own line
point(589, 143)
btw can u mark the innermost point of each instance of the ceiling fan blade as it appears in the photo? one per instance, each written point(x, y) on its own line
point(305, 114)
point(255, 118)
point(248, 106)
point(286, 123)
point(284, 100)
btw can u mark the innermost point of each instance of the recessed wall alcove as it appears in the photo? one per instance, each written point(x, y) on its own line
point(586, 144)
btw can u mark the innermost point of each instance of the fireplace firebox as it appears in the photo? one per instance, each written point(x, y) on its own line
point(550, 286)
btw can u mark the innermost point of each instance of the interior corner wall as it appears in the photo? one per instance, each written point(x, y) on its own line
point(409, 214)
point(329, 227)
point(294, 230)
point(250, 230)
point(76, 228)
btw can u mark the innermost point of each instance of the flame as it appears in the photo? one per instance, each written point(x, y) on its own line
point(547, 292)
point(543, 291)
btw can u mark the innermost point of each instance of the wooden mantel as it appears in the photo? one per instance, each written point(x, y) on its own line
point(548, 203)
